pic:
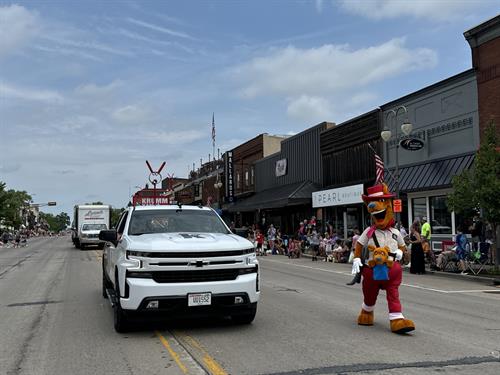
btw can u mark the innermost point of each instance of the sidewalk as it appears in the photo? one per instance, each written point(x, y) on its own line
point(481, 278)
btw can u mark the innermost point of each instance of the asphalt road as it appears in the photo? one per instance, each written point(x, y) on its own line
point(53, 320)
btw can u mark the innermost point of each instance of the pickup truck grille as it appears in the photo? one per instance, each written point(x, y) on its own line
point(197, 276)
point(192, 254)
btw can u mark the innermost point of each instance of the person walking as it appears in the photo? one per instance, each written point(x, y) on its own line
point(271, 237)
point(417, 263)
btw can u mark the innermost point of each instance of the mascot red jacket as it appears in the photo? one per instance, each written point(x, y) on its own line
point(381, 269)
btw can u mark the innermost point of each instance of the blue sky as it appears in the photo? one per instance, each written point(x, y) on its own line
point(91, 89)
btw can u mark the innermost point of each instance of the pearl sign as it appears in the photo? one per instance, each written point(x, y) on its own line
point(338, 197)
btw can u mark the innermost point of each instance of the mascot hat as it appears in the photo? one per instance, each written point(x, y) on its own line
point(377, 192)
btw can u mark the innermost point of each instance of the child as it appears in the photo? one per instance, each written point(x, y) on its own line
point(260, 243)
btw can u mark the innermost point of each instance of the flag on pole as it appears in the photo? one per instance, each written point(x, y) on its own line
point(379, 169)
point(213, 130)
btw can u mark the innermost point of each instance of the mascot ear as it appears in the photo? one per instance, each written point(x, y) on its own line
point(371, 247)
point(386, 189)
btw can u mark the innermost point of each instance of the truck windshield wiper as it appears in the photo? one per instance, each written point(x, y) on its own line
point(140, 233)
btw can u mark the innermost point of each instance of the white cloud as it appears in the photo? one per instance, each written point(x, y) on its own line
point(319, 6)
point(91, 89)
point(131, 114)
point(161, 29)
point(17, 26)
point(329, 69)
point(8, 91)
point(440, 10)
point(309, 108)
point(175, 137)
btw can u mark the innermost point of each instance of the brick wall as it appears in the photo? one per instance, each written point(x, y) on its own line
point(486, 60)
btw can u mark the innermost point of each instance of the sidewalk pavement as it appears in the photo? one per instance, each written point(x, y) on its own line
point(481, 278)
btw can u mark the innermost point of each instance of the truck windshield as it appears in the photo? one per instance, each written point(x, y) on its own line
point(171, 221)
point(94, 226)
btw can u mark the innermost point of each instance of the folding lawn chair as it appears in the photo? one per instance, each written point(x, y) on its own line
point(477, 259)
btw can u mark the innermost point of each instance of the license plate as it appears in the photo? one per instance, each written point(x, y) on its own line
point(199, 299)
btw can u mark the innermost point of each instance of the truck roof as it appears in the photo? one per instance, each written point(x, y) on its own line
point(170, 207)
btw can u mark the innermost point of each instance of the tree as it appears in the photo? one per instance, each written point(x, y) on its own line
point(479, 189)
point(115, 215)
point(56, 223)
point(12, 203)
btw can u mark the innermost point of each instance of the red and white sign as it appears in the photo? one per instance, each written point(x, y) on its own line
point(150, 201)
point(397, 205)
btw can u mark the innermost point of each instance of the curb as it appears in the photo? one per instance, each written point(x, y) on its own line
point(474, 278)
point(494, 280)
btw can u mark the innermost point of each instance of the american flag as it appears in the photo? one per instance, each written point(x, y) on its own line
point(213, 130)
point(379, 169)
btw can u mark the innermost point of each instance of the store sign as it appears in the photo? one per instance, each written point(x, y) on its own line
point(411, 144)
point(281, 167)
point(229, 176)
point(338, 197)
point(397, 205)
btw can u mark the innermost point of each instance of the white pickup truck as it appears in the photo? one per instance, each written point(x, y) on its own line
point(177, 261)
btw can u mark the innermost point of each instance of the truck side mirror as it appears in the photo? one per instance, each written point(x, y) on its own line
point(108, 235)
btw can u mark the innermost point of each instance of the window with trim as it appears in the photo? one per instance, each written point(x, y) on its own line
point(440, 216)
point(252, 173)
point(419, 208)
point(246, 178)
point(238, 180)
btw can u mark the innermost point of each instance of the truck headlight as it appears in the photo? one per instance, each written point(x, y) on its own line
point(251, 259)
point(130, 263)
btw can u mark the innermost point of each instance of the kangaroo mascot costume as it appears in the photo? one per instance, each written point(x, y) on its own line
point(381, 269)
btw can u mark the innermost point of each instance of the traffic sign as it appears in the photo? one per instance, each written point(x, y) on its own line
point(397, 205)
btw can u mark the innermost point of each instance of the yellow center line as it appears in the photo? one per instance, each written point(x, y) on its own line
point(173, 354)
point(211, 364)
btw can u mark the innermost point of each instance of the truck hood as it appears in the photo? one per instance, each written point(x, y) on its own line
point(186, 242)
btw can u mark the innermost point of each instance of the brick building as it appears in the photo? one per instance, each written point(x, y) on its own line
point(484, 41)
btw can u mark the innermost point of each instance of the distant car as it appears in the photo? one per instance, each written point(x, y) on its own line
point(437, 228)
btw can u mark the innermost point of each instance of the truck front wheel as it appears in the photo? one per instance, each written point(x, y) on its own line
point(120, 319)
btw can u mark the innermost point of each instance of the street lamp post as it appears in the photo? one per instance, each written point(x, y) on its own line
point(386, 135)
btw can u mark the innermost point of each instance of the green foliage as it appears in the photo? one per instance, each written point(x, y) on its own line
point(12, 203)
point(115, 215)
point(56, 223)
point(479, 188)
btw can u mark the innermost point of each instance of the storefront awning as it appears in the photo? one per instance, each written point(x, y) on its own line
point(436, 174)
point(288, 195)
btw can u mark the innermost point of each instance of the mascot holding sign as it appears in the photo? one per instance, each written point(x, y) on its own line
point(381, 268)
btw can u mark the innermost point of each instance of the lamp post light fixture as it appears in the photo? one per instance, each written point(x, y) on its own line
point(386, 135)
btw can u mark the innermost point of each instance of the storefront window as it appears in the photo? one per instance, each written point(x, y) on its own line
point(440, 216)
point(353, 218)
point(419, 208)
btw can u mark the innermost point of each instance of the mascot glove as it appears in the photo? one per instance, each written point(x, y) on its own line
point(356, 265)
point(399, 255)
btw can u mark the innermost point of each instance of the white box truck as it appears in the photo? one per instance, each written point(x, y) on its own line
point(88, 221)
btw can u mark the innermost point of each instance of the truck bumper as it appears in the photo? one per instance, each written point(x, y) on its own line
point(142, 290)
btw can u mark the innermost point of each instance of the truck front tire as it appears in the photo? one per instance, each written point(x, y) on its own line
point(120, 319)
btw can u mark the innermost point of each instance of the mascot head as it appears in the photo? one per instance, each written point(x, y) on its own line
point(379, 204)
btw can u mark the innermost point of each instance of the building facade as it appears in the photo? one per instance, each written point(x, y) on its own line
point(484, 41)
point(445, 119)
point(240, 172)
point(284, 182)
point(348, 160)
